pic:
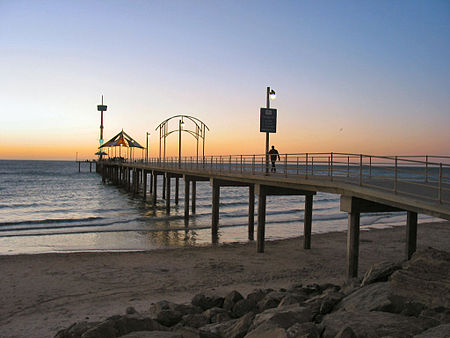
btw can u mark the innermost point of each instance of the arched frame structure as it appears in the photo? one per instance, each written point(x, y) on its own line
point(199, 133)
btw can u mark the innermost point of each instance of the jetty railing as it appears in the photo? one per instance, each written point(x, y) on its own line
point(425, 177)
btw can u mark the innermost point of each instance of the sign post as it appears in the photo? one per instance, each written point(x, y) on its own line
point(101, 108)
point(268, 123)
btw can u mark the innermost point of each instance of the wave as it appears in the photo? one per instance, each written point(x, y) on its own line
point(52, 220)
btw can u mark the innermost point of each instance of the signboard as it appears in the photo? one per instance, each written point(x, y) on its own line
point(101, 107)
point(268, 120)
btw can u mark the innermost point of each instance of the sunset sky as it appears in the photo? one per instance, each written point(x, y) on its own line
point(350, 76)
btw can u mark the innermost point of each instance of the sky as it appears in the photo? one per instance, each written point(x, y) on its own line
point(369, 77)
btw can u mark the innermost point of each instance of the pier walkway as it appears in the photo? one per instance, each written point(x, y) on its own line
point(366, 184)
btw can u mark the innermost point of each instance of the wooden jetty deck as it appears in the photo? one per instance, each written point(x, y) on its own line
point(365, 183)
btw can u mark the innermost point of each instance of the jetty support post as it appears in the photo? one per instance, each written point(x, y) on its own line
point(194, 195)
point(263, 191)
point(251, 212)
point(307, 219)
point(411, 234)
point(167, 179)
point(151, 182)
point(155, 185)
point(186, 200)
point(144, 184)
point(164, 187)
point(177, 187)
point(354, 206)
point(215, 211)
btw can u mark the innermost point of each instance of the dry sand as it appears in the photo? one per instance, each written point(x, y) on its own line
point(40, 294)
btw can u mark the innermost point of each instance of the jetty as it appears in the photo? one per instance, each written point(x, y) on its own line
point(365, 183)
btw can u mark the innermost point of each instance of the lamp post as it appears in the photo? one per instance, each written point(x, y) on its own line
point(180, 125)
point(101, 108)
point(270, 96)
point(146, 148)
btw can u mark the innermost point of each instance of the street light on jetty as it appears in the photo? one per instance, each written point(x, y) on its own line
point(146, 148)
point(101, 108)
point(270, 96)
point(180, 126)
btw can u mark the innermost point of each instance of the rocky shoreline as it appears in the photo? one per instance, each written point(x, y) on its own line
point(405, 299)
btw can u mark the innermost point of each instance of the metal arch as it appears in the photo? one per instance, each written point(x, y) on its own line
point(199, 133)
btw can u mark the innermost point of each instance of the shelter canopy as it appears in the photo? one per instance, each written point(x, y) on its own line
point(122, 139)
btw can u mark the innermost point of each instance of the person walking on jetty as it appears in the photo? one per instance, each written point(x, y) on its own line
point(273, 158)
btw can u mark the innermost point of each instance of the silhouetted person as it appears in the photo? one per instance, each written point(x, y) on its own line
point(273, 158)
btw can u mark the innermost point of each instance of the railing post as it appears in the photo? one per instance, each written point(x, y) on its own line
point(285, 165)
point(348, 166)
point(395, 176)
point(297, 166)
point(253, 165)
point(262, 164)
point(212, 162)
point(440, 184)
point(306, 166)
point(241, 164)
point(220, 168)
point(360, 168)
point(229, 162)
point(331, 166)
point(312, 166)
point(370, 166)
point(426, 169)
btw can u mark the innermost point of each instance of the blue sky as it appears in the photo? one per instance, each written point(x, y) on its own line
point(351, 76)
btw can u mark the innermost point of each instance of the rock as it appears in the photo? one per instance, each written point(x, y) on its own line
point(438, 315)
point(425, 279)
point(257, 295)
point(232, 298)
point(207, 301)
point(216, 329)
point(441, 331)
point(195, 320)
point(346, 332)
point(311, 289)
point(75, 330)
point(117, 326)
point(283, 317)
point(292, 298)
point(130, 310)
point(271, 300)
point(240, 328)
point(216, 315)
point(186, 309)
point(168, 317)
point(267, 332)
point(380, 272)
point(188, 332)
point(303, 330)
point(372, 324)
point(242, 307)
point(374, 297)
point(152, 334)
point(329, 301)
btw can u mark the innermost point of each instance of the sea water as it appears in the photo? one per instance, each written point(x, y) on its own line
point(49, 206)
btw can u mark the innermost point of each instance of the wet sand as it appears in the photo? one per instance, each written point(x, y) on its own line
point(40, 294)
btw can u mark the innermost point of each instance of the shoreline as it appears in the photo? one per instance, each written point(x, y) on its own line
point(42, 293)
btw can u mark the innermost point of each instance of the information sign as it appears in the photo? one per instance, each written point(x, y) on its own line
point(268, 120)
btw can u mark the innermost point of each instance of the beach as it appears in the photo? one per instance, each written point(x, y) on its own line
point(43, 293)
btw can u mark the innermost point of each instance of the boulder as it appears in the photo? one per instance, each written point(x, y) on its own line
point(425, 279)
point(242, 307)
point(292, 298)
point(188, 332)
point(240, 327)
point(267, 332)
point(346, 332)
point(373, 297)
point(271, 300)
point(258, 294)
point(76, 329)
point(380, 272)
point(195, 320)
point(216, 315)
point(372, 324)
point(152, 334)
point(168, 317)
point(207, 301)
point(303, 330)
point(216, 330)
point(329, 301)
point(283, 317)
point(441, 331)
point(232, 298)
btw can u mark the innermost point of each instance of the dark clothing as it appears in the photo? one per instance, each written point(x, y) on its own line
point(273, 157)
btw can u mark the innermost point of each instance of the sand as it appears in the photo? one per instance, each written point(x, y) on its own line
point(41, 294)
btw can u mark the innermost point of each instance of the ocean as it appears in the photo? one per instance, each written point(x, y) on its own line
point(48, 206)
